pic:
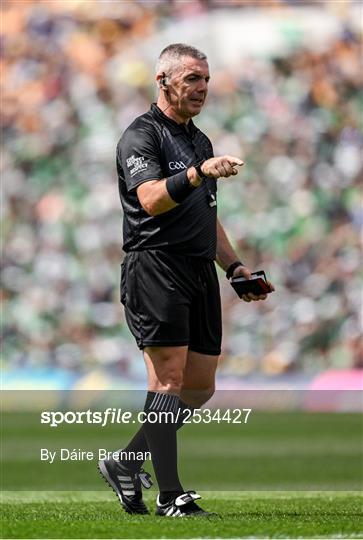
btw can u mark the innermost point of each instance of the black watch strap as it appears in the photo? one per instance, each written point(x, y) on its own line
point(198, 168)
point(232, 267)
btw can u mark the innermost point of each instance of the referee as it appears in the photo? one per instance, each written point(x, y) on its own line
point(168, 183)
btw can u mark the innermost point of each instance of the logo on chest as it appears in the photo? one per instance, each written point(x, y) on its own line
point(176, 165)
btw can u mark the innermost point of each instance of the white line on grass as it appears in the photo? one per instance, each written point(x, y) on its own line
point(106, 496)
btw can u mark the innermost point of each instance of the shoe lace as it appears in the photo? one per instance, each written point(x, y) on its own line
point(137, 478)
point(145, 478)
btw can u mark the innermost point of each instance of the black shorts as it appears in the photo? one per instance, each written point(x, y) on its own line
point(172, 300)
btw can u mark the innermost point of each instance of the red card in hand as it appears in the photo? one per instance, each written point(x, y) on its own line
point(256, 285)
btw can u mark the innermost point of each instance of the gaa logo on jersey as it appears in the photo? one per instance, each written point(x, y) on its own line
point(137, 163)
point(176, 165)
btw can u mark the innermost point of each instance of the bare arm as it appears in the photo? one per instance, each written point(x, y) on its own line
point(226, 256)
point(154, 196)
point(225, 252)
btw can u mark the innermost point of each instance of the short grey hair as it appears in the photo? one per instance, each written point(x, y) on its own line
point(170, 57)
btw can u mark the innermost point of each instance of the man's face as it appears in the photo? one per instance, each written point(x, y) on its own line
point(188, 87)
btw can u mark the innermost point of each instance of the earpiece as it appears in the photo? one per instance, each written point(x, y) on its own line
point(163, 83)
point(164, 86)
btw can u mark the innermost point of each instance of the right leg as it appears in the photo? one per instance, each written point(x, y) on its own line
point(157, 311)
point(151, 287)
point(165, 370)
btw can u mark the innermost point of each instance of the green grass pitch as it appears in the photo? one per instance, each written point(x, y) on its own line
point(241, 515)
point(283, 475)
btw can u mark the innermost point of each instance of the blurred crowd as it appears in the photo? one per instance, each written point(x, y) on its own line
point(68, 92)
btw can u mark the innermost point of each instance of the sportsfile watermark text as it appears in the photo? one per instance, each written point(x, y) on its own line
point(119, 416)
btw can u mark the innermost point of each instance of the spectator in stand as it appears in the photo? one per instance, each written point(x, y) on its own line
point(294, 120)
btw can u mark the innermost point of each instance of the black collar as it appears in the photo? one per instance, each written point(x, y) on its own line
point(175, 128)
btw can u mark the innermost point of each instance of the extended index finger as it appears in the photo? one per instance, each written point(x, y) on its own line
point(234, 160)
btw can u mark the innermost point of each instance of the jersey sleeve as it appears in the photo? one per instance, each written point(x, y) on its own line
point(138, 154)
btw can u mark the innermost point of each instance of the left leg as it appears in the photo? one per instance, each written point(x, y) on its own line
point(199, 378)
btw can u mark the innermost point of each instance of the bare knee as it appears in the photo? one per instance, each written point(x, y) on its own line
point(169, 381)
point(165, 369)
point(172, 382)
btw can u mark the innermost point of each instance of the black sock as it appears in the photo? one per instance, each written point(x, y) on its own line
point(184, 414)
point(139, 444)
point(162, 443)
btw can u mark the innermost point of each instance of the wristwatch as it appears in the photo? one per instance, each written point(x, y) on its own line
point(198, 168)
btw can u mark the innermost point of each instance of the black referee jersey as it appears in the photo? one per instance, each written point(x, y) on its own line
point(154, 147)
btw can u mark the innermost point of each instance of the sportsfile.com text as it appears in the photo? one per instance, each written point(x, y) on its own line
point(119, 416)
